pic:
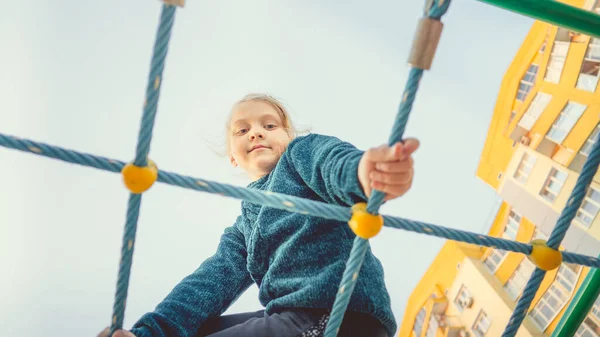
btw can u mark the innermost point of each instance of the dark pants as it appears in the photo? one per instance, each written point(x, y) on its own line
point(296, 323)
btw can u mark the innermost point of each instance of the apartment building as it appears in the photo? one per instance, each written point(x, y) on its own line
point(544, 124)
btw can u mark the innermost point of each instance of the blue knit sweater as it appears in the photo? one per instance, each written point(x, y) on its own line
point(296, 260)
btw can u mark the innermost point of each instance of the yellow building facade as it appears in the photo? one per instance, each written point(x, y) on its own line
point(545, 122)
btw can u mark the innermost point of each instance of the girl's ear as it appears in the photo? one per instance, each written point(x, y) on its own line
point(232, 161)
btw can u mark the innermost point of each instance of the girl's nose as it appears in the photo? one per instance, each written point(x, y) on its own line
point(255, 135)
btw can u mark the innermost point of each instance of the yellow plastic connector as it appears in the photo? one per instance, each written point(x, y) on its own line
point(544, 257)
point(139, 179)
point(363, 223)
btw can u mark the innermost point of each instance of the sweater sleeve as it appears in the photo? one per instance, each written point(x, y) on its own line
point(329, 167)
point(207, 292)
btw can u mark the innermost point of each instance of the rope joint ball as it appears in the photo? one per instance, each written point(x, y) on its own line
point(543, 256)
point(139, 179)
point(363, 223)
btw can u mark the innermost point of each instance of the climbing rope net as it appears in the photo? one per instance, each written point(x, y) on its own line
point(140, 174)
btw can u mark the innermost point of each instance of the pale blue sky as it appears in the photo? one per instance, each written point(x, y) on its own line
point(75, 73)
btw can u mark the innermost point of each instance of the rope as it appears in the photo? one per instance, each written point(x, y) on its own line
point(434, 9)
point(524, 302)
point(558, 233)
point(133, 212)
point(360, 246)
point(281, 201)
point(159, 54)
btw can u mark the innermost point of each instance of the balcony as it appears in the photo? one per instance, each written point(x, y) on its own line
point(452, 326)
point(439, 306)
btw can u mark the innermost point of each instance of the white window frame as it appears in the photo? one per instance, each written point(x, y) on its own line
point(525, 167)
point(462, 297)
point(586, 149)
point(527, 82)
point(564, 123)
point(518, 280)
point(589, 82)
point(535, 110)
point(556, 63)
point(593, 317)
point(583, 214)
point(585, 331)
point(591, 5)
point(420, 318)
point(512, 116)
point(432, 326)
point(595, 311)
point(511, 229)
point(493, 266)
point(538, 234)
point(546, 193)
point(481, 325)
point(560, 292)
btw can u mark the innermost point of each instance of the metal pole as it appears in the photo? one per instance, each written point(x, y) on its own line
point(580, 306)
point(554, 12)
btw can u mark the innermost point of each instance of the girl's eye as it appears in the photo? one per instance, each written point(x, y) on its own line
point(241, 131)
point(271, 126)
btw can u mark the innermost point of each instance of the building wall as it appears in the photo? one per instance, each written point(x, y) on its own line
point(504, 147)
point(512, 260)
point(488, 296)
point(498, 149)
point(438, 277)
point(526, 200)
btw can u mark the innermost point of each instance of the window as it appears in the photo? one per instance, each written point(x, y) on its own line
point(419, 322)
point(494, 259)
point(527, 82)
point(588, 75)
point(558, 56)
point(512, 116)
point(587, 147)
point(590, 5)
point(589, 328)
point(553, 185)
point(538, 234)
point(481, 325)
point(525, 168)
point(512, 226)
point(565, 121)
point(595, 311)
point(463, 298)
point(557, 295)
point(591, 325)
point(518, 280)
point(589, 207)
point(535, 109)
point(432, 327)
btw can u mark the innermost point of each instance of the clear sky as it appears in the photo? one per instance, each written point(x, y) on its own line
point(74, 75)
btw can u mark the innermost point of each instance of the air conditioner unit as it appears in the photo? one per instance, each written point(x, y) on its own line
point(442, 322)
point(467, 302)
point(525, 140)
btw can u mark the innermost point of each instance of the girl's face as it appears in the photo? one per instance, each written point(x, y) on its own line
point(256, 138)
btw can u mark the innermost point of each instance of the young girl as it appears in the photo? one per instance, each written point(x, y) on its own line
point(296, 260)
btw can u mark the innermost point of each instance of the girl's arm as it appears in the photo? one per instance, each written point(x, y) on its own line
point(329, 166)
point(208, 291)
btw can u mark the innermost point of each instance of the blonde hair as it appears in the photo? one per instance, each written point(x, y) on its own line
point(275, 103)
